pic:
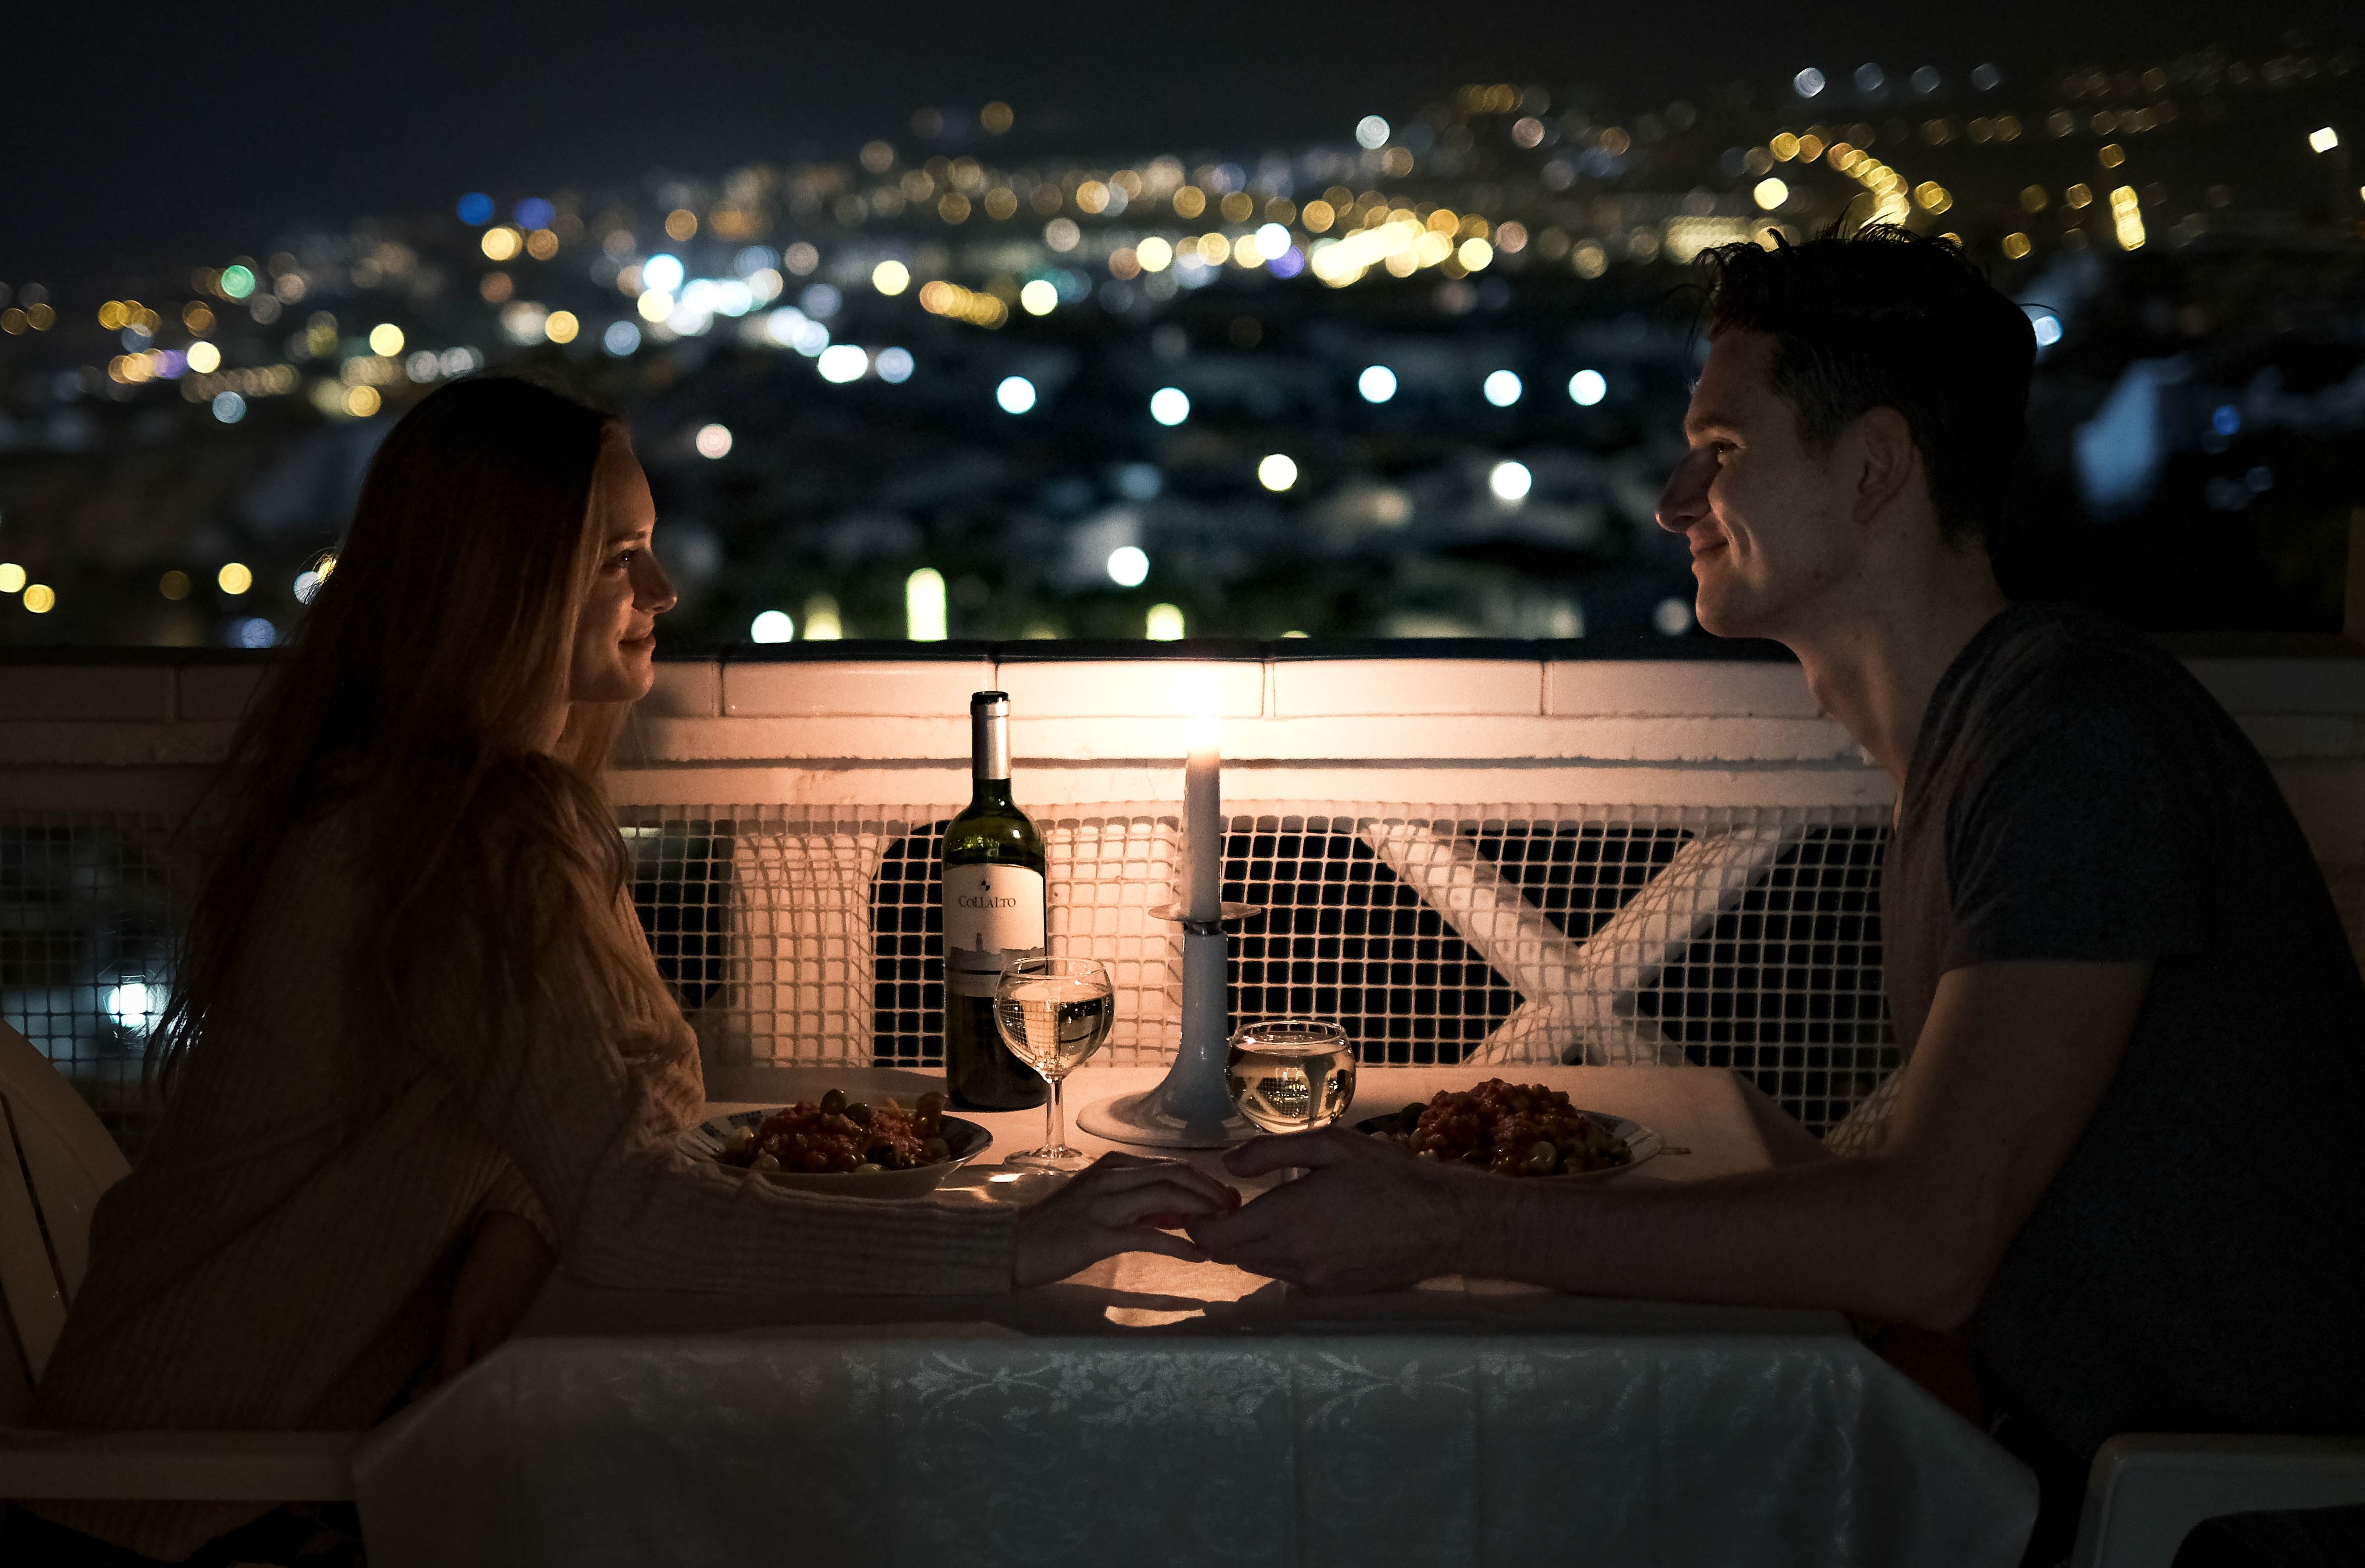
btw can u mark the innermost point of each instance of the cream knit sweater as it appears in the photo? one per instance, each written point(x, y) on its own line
point(268, 1266)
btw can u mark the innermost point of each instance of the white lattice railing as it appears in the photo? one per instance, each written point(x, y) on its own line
point(1492, 933)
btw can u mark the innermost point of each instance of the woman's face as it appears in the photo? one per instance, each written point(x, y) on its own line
point(616, 637)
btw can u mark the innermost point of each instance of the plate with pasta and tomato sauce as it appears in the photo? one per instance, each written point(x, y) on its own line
point(876, 1148)
point(1520, 1130)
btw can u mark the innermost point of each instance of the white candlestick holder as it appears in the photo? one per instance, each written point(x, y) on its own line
point(1191, 1107)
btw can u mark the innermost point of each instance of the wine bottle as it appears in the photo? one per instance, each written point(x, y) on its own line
point(994, 913)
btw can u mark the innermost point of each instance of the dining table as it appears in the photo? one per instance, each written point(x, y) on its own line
point(1153, 1410)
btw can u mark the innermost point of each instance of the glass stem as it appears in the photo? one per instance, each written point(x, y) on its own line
point(1055, 1117)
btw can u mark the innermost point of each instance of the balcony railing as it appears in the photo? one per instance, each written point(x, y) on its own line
point(1496, 855)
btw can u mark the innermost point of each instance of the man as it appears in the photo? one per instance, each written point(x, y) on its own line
point(2120, 1160)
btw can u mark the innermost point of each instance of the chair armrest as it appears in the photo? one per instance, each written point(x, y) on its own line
point(211, 1467)
point(2146, 1491)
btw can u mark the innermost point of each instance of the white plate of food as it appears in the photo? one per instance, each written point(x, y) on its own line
point(1520, 1130)
point(879, 1149)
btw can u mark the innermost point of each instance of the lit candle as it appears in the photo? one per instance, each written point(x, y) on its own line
point(1202, 826)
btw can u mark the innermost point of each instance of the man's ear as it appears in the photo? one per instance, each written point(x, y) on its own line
point(1885, 459)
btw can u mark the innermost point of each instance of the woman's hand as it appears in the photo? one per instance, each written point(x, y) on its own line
point(508, 1265)
point(1364, 1217)
point(1114, 1205)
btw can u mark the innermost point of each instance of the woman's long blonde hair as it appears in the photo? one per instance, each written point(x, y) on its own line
point(416, 697)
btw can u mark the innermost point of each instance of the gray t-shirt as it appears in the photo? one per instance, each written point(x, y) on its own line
point(2198, 1262)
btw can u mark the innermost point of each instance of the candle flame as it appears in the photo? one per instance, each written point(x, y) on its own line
point(1206, 733)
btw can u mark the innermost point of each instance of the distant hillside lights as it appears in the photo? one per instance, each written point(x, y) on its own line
point(923, 606)
point(38, 599)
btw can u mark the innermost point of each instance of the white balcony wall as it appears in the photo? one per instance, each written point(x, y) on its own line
point(121, 735)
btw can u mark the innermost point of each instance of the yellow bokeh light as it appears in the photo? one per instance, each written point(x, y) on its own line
point(11, 577)
point(654, 306)
point(995, 118)
point(1784, 147)
point(204, 358)
point(1932, 196)
point(681, 223)
point(40, 598)
point(1239, 208)
point(1770, 192)
point(2127, 217)
point(953, 207)
point(1475, 255)
point(890, 277)
point(174, 585)
point(502, 242)
point(1154, 254)
point(1092, 197)
point(2015, 245)
point(562, 327)
point(1038, 299)
point(234, 579)
point(541, 244)
point(112, 315)
point(2078, 196)
point(386, 338)
point(1190, 201)
point(1163, 623)
point(2034, 199)
point(362, 401)
point(1001, 202)
point(1214, 250)
point(1319, 216)
point(2111, 155)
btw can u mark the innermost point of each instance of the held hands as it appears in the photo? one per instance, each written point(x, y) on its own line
point(1114, 1205)
point(1364, 1217)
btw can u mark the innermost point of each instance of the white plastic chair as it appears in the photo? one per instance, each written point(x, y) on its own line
point(55, 1159)
point(2148, 1491)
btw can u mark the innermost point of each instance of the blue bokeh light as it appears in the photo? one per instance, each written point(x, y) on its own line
point(476, 209)
point(534, 213)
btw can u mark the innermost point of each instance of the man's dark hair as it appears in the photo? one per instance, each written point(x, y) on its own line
point(1886, 319)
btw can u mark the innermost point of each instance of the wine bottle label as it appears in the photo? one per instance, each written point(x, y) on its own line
point(992, 915)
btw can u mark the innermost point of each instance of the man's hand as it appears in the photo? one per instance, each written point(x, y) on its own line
point(1364, 1217)
point(1115, 1205)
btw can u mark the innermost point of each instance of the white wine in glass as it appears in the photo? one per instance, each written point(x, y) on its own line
point(1053, 1013)
point(1291, 1075)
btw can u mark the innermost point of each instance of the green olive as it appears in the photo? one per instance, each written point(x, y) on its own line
point(833, 1103)
point(936, 1148)
point(859, 1111)
point(866, 1168)
point(763, 1162)
point(1542, 1159)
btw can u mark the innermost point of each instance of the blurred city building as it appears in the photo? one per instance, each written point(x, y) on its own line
point(1424, 381)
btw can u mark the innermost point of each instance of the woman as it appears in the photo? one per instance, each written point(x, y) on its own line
point(419, 1045)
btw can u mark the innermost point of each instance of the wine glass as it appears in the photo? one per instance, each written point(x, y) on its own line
point(1291, 1075)
point(1053, 1013)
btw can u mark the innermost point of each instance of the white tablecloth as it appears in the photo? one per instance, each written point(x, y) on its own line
point(1161, 1413)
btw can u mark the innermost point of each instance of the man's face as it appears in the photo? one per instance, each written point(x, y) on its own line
point(1766, 516)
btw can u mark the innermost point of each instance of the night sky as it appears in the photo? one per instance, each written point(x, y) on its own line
point(147, 138)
